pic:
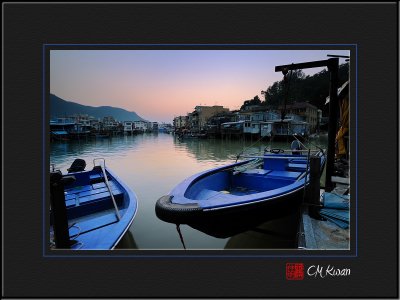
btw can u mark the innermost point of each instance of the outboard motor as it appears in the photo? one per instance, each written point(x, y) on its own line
point(59, 209)
point(78, 165)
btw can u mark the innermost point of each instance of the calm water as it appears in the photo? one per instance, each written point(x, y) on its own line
point(152, 164)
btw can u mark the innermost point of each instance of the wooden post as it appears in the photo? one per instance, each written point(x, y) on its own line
point(59, 210)
point(313, 187)
point(333, 67)
point(313, 192)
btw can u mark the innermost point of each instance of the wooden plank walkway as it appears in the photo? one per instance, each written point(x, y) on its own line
point(324, 235)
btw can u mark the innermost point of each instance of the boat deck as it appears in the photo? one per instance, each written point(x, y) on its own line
point(88, 193)
point(90, 208)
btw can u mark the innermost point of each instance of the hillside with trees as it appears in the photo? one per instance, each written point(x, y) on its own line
point(62, 108)
point(302, 88)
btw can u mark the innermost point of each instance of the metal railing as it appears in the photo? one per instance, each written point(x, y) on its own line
point(108, 185)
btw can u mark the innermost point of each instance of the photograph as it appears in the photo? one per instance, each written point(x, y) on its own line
point(199, 149)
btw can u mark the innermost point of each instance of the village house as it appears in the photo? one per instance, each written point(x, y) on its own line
point(140, 125)
point(180, 122)
point(128, 127)
point(198, 119)
point(306, 110)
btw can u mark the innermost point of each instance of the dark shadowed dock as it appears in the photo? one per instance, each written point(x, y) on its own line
point(315, 234)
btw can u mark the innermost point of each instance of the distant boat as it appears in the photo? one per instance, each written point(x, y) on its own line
point(60, 135)
point(239, 193)
point(89, 209)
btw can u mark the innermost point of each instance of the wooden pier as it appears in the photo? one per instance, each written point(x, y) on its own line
point(316, 234)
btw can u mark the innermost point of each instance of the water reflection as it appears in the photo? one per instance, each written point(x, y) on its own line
point(280, 233)
point(127, 242)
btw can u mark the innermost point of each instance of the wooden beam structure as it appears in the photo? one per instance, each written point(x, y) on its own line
point(333, 68)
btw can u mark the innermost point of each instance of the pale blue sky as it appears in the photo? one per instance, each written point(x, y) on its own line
point(161, 84)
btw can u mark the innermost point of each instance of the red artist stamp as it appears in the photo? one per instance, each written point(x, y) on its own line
point(294, 271)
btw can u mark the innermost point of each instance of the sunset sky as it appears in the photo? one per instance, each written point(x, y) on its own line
point(161, 84)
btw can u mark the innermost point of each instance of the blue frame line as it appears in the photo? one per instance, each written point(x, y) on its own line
point(191, 256)
point(195, 45)
point(223, 252)
point(356, 150)
point(44, 145)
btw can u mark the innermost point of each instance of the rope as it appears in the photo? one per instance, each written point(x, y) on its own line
point(299, 141)
point(81, 245)
point(75, 236)
point(178, 228)
point(254, 164)
point(240, 153)
point(319, 148)
point(308, 141)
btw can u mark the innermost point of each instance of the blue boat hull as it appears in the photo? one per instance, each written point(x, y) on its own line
point(93, 223)
point(231, 199)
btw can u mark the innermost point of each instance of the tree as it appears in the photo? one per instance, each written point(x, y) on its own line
point(255, 101)
point(313, 89)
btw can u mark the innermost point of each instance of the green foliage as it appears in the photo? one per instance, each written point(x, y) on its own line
point(302, 88)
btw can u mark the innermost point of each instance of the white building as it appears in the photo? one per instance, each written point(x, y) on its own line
point(128, 126)
point(140, 125)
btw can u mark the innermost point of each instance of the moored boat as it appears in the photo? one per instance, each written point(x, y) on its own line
point(90, 210)
point(242, 193)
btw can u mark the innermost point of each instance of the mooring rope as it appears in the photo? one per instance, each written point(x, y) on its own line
point(307, 140)
point(178, 228)
point(240, 153)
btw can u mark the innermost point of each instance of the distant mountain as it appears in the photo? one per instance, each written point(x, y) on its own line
point(60, 107)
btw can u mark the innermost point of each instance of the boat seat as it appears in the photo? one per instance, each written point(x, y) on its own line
point(298, 161)
point(297, 167)
point(93, 197)
point(284, 175)
point(85, 193)
point(77, 189)
point(98, 177)
point(260, 172)
point(103, 185)
point(93, 204)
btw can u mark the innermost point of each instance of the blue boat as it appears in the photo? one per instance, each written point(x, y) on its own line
point(239, 194)
point(90, 210)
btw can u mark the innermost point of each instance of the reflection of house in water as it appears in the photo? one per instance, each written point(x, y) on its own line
point(216, 150)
